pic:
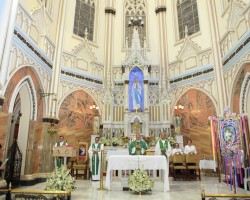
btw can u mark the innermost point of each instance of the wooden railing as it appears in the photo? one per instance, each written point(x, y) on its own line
point(35, 194)
point(218, 196)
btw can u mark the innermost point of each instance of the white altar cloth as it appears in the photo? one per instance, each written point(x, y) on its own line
point(127, 162)
point(208, 164)
point(116, 152)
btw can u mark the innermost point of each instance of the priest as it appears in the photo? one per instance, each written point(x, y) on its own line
point(94, 153)
point(163, 146)
point(138, 146)
point(60, 160)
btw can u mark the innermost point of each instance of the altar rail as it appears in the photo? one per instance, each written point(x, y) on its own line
point(35, 194)
point(224, 196)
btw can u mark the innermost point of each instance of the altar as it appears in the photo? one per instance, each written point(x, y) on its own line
point(127, 162)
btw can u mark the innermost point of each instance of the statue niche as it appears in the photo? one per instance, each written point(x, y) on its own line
point(136, 90)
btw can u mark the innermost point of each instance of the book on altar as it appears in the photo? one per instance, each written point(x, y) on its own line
point(150, 152)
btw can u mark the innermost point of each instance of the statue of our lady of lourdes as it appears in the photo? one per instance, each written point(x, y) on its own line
point(177, 124)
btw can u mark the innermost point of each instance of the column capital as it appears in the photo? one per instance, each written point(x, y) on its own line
point(110, 10)
point(50, 120)
point(160, 9)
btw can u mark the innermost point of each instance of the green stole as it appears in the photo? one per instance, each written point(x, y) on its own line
point(95, 157)
point(164, 146)
point(59, 160)
point(137, 151)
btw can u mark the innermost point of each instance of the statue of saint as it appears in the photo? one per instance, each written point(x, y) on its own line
point(136, 94)
point(177, 124)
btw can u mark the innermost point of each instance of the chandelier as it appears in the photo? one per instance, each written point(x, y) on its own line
point(135, 21)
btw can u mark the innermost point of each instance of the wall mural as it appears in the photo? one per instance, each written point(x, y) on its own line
point(194, 123)
point(136, 90)
point(76, 117)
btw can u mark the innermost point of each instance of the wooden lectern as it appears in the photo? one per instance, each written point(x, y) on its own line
point(64, 151)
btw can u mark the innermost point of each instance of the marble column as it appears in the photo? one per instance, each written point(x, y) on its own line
point(215, 38)
point(57, 60)
point(163, 51)
point(145, 94)
point(126, 95)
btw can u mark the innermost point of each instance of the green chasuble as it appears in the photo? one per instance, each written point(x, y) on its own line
point(95, 159)
point(164, 146)
point(59, 160)
point(133, 144)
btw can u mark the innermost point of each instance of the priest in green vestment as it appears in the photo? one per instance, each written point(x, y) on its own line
point(60, 160)
point(138, 146)
point(95, 159)
point(163, 146)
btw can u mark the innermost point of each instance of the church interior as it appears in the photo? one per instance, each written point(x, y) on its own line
point(115, 68)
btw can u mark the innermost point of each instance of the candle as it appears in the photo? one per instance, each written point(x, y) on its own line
point(102, 147)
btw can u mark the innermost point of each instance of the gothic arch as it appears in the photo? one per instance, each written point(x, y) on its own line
point(25, 74)
point(72, 91)
point(236, 86)
point(194, 88)
point(76, 117)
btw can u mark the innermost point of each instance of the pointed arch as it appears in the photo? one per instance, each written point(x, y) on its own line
point(135, 8)
point(136, 89)
point(84, 18)
point(187, 17)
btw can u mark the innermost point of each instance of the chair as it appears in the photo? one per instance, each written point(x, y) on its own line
point(179, 167)
point(80, 162)
point(192, 166)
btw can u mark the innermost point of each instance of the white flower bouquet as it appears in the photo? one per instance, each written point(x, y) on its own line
point(139, 181)
point(172, 141)
point(115, 141)
point(60, 180)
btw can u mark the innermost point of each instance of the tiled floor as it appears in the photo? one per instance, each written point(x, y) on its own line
point(186, 190)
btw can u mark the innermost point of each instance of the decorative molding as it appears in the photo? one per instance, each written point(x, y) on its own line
point(244, 93)
point(32, 48)
point(126, 81)
point(145, 81)
point(160, 9)
point(82, 77)
point(233, 54)
point(189, 76)
point(109, 10)
point(33, 99)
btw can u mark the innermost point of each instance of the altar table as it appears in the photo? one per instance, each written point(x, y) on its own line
point(128, 162)
point(208, 164)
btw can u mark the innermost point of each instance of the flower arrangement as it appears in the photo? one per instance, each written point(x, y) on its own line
point(172, 141)
point(125, 139)
point(102, 140)
point(60, 180)
point(149, 140)
point(115, 141)
point(139, 181)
